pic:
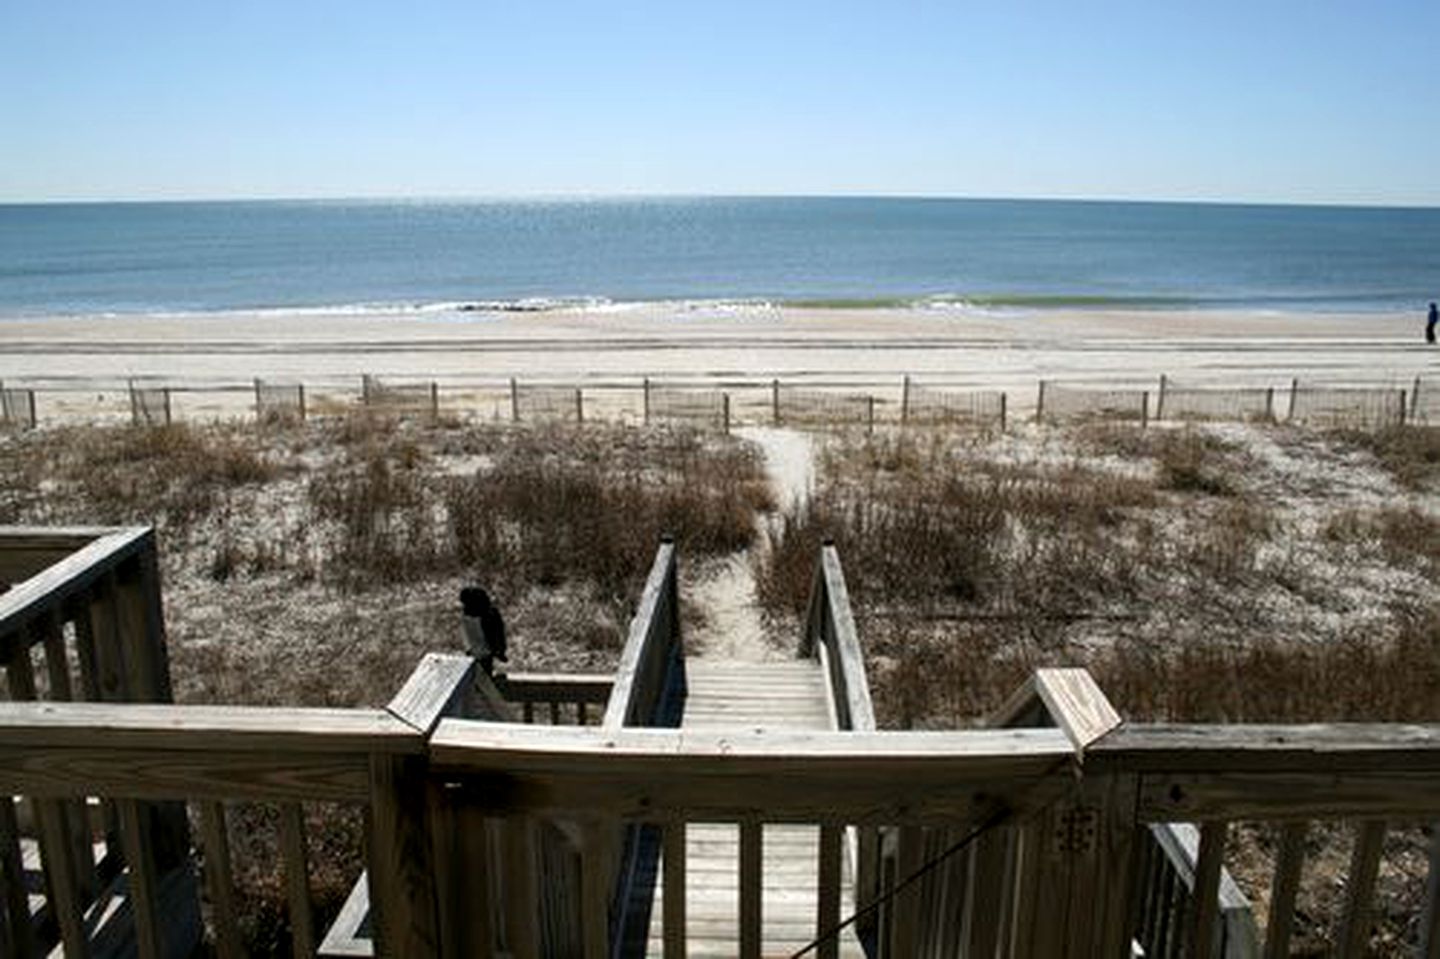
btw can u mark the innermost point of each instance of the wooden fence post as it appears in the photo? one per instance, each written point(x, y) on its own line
point(434, 400)
point(775, 401)
point(259, 409)
point(869, 413)
point(1270, 403)
point(579, 405)
point(1040, 404)
point(905, 400)
point(302, 402)
point(725, 404)
point(1294, 389)
point(1160, 400)
point(645, 387)
point(514, 401)
point(1144, 408)
point(1003, 404)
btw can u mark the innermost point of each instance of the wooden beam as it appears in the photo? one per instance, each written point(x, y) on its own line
point(439, 686)
point(1204, 918)
point(403, 901)
point(69, 576)
point(860, 710)
point(1075, 702)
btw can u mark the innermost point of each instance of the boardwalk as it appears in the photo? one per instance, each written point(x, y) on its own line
point(774, 695)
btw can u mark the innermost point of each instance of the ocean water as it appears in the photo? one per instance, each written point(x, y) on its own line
point(514, 255)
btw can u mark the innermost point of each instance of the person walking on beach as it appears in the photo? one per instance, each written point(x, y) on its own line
point(1430, 324)
point(483, 627)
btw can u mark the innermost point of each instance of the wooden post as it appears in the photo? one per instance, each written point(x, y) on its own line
point(1414, 395)
point(297, 878)
point(1003, 404)
point(259, 409)
point(301, 389)
point(775, 401)
point(579, 406)
point(1294, 389)
point(514, 401)
point(1144, 409)
point(218, 880)
point(434, 400)
point(905, 400)
point(827, 913)
point(1364, 866)
point(401, 872)
point(1270, 403)
point(1402, 407)
point(1160, 400)
point(751, 878)
point(725, 405)
point(869, 414)
point(1285, 884)
point(18, 933)
point(645, 394)
point(1040, 404)
point(673, 904)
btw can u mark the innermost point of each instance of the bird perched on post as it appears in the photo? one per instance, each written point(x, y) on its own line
point(483, 627)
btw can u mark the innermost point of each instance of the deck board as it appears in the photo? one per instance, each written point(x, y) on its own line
point(772, 695)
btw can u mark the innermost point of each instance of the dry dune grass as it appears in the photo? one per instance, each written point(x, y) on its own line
point(1204, 575)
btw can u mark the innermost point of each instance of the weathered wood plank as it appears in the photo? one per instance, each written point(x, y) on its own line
point(522, 905)
point(1360, 890)
point(219, 880)
point(859, 711)
point(464, 878)
point(649, 630)
point(1320, 748)
point(1077, 705)
point(439, 686)
point(1289, 795)
point(1286, 883)
point(596, 878)
point(13, 898)
point(403, 898)
point(144, 881)
point(296, 858)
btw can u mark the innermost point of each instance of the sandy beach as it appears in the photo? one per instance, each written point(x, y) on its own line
point(79, 363)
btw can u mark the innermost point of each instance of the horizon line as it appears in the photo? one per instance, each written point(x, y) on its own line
point(621, 196)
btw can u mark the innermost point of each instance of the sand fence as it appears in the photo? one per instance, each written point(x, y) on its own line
point(699, 408)
point(279, 402)
point(17, 409)
point(1063, 403)
point(929, 406)
point(1347, 407)
point(807, 402)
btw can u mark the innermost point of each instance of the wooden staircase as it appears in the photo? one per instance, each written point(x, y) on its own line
point(725, 695)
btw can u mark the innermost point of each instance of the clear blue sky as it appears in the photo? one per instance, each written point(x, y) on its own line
point(1261, 100)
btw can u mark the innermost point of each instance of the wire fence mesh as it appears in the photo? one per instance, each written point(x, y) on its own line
point(1059, 404)
point(17, 409)
point(796, 406)
point(402, 399)
point(705, 409)
point(1351, 407)
point(150, 406)
point(1214, 403)
point(279, 401)
point(562, 404)
point(926, 406)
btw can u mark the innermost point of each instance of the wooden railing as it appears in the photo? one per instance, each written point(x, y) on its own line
point(556, 698)
point(830, 636)
point(486, 838)
point(649, 685)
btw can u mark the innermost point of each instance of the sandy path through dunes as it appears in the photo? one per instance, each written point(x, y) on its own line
point(724, 590)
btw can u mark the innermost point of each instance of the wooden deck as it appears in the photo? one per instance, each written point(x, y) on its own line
point(724, 695)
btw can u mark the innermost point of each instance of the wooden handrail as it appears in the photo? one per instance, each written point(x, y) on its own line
point(652, 650)
point(831, 625)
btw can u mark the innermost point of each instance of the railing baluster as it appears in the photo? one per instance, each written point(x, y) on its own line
point(1430, 921)
point(673, 905)
point(13, 896)
point(905, 906)
point(595, 881)
point(74, 814)
point(827, 913)
point(218, 879)
point(1288, 860)
point(751, 889)
point(57, 852)
point(1206, 914)
point(1364, 865)
point(297, 878)
point(138, 839)
point(522, 905)
point(554, 713)
point(986, 893)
